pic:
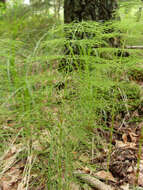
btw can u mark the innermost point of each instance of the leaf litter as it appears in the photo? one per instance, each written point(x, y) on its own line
point(123, 171)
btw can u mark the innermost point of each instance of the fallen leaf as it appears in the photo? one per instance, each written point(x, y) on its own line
point(133, 176)
point(74, 186)
point(130, 169)
point(5, 186)
point(125, 138)
point(119, 144)
point(125, 187)
point(105, 175)
point(140, 179)
point(133, 137)
point(86, 170)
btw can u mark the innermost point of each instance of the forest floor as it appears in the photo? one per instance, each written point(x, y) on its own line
point(79, 130)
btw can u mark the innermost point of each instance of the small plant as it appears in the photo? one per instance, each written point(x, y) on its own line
point(55, 123)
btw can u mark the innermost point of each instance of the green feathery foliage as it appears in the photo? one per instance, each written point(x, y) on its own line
point(53, 117)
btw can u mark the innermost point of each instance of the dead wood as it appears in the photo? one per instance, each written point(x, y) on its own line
point(92, 181)
point(133, 47)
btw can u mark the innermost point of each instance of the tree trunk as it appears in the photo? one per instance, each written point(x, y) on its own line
point(95, 10)
point(2, 1)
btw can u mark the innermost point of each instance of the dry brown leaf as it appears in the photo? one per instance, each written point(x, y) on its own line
point(133, 137)
point(105, 175)
point(11, 173)
point(131, 145)
point(125, 187)
point(74, 186)
point(119, 144)
point(86, 170)
point(21, 187)
point(133, 176)
point(140, 175)
point(5, 186)
point(130, 169)
point(125, 138)
point(140, 179)
point(12, 177)
point(140, 125)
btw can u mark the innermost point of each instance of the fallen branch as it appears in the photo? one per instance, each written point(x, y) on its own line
point(92, 181)
point(133, 47)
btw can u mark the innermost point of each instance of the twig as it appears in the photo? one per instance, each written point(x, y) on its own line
point(92, 181)
point(92, 149)
point(133, 47)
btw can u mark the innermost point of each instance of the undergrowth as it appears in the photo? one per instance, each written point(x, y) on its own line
point(52, 117)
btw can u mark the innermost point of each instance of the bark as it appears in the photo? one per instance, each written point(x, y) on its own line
point(95, 10)
point(84, 10)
